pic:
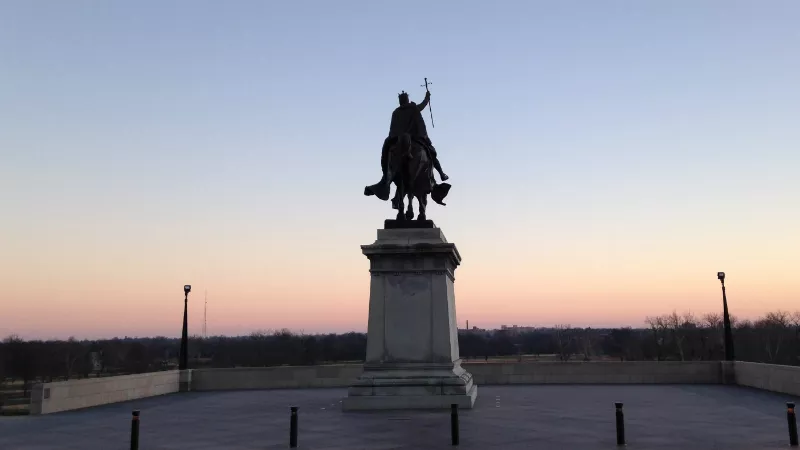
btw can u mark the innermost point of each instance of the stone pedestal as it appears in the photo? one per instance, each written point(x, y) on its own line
point(412, 338)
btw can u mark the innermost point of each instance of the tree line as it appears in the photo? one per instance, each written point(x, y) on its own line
point(773, 338)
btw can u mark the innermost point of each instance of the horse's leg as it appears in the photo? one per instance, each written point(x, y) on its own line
point(400, 216)
point(400, 195)
point(394, 199)
point(423, 206)
point(410, 210)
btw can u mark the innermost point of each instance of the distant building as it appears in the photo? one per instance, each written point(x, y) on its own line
point(514, 329)
point(475, 330)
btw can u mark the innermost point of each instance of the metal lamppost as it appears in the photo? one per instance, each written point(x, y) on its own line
point(184, 357)
point(726, 319)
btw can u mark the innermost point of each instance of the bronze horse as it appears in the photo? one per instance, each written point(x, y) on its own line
point(410, 169)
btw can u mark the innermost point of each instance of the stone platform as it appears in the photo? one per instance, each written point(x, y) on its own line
point(408, 386)
point(412, 359)
point(391, 224)
point(504, 417)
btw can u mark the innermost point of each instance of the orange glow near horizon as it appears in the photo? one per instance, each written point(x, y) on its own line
point(107, 292)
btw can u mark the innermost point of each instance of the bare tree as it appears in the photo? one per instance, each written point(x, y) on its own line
point(23, 359)
point(588, 339)
point(3, 357)
point(795, 319)
point(712, 320)
point(712, 334)
point(73, 354)
point(677, 326)
point(658, 327)
point(2, 363)
point(565, 338)
point(774, 327)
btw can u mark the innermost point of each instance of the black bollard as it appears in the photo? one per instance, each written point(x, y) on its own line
point(454, 423)
point(135, 430)
point(293, 428)
point(620, 424)
point(792, 419)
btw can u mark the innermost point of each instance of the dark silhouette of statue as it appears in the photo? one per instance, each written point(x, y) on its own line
point(407, 160)
point(408, 118)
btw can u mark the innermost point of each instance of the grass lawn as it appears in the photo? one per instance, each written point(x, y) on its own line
point(15, 410)
point(12, 397)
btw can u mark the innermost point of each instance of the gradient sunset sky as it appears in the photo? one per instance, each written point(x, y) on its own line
point(607, 158)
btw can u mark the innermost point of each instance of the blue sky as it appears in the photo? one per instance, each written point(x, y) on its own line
point(578, 134)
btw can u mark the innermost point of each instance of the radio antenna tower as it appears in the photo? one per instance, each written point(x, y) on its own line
point(205, 316)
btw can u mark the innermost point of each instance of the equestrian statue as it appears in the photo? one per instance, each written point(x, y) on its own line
point(408, 159)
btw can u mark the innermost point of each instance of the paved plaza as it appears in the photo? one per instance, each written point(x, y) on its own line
point(504, 417)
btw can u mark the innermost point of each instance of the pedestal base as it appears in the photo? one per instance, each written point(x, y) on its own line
point(411, 386)
point(412, 359)
point(394, 402)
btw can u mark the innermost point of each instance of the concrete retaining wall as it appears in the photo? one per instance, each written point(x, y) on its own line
point(67, 395)
point(696, 372)
point(75, 394)
point(771, 377)
point(600, 372)
point(281, 377)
